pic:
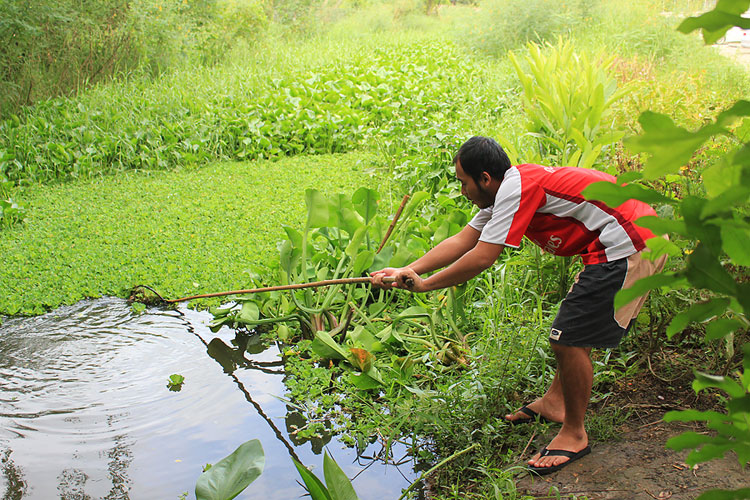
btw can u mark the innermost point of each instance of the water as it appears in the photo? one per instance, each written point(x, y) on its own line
point(85, 412)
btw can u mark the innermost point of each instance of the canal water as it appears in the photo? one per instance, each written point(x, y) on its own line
point(85, 412)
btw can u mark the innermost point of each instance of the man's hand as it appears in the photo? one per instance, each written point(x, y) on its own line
point(403, 277)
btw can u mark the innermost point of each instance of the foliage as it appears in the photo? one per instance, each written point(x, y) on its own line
point(337, 487)
point(332, 109)
point(353, 325)
point(88, 239)
point(718, 226)
point(228, 477)
point(567, 99)
point(175, 381)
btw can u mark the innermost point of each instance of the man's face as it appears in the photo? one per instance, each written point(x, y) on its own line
point(477, 193)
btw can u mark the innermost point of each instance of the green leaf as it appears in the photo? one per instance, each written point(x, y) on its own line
point(688, 440)
point(714, 24)
point(365, 201)
point(314, 485)
point(740, 494)
point(318, 212)
point(660, 225)
point(355, 243)
point(732, 197)
point(739, 405)
point(338, 484)
point(249, 313)
point(705, 271)
point(658, 246)
point(697, 312)
point(736, 243)
point(721, 328)
point(644, 285)
point(363, 261)
point(231, 475)
point(694, 416)
point(709, 451)
point(726, 384)
point(364, 382)
point(325, 347)
point(670, 146)
point(614, 195)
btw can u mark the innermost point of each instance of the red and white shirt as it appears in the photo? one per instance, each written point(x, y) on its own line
point(545, 204)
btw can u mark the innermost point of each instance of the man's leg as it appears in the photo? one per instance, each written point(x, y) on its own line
point(550, 406)
point(575, 374)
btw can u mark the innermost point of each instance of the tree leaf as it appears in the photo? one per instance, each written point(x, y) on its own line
point(670, 146)
point(688, 440)
point(740, 494)
point(736, 243)
point(614, 195)
point(661, 225)
point(697, 312)
point(714, 24)
point(338, 484)
point(644, 285)
point(722, 327)
point(231, 475)
point(726, 384)
point(705, 271)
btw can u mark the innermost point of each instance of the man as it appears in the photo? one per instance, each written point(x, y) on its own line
point(545, 204)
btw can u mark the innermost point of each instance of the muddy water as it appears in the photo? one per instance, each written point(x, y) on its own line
point(85, 412)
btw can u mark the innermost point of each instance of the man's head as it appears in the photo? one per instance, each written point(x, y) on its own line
point(482, 154)
point(480, 167)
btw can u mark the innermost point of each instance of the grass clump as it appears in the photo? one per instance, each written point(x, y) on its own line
point(185, 232)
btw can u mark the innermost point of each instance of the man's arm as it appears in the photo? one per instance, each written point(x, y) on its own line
point(447, 251)
point(473, 262)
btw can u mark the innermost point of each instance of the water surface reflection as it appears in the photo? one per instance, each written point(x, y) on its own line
point(85, 412)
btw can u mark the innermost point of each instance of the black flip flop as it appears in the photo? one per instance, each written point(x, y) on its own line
point(534, 417)
point(572, 455)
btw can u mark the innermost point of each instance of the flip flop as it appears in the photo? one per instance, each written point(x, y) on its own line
point(533, 417)
point(572, 455)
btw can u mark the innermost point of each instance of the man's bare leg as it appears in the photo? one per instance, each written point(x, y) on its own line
point(550, 406)
point(575, 374)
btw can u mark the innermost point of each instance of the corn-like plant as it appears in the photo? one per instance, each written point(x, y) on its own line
point(566, 97)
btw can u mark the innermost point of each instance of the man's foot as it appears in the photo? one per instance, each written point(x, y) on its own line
point(534, 412)
point(575, 446)
point(571, 457)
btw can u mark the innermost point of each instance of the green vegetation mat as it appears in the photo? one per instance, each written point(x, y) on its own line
point(182, 232)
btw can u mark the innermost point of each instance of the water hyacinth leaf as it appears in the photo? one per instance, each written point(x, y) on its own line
point(363, 261)
point(231, 475)
point(614, 195)
point(376, 308)
point(295, 237)
point(720, 328)
point(414, 202)
point(249, 312)
point(364, 382)
point(361, 359)
point(412, 312)
point(697, 313)
point(318, 213)
point(705, 271)
point(644, 285)
point(365, 201)
point(670, 146)
point(326, 347)
point(338, 484)
point(314, 486)
point(355, 243)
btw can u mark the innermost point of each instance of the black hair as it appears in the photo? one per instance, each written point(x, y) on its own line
point(482, 154)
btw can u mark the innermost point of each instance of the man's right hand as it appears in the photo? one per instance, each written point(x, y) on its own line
point(389, 272)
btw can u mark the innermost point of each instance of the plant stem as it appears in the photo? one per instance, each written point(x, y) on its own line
point(436, 467)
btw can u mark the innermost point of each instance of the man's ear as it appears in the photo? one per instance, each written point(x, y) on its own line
point(485, 179)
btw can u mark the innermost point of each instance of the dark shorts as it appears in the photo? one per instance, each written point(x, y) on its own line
point(587, 316)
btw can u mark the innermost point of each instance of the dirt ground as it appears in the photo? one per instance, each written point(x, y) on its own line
point(639, 466)
point(737, 52)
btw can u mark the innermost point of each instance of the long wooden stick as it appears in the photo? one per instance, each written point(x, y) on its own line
point(393, 222)
point(314, 284)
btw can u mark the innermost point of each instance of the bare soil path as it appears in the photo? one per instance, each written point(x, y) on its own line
point(639, 466)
